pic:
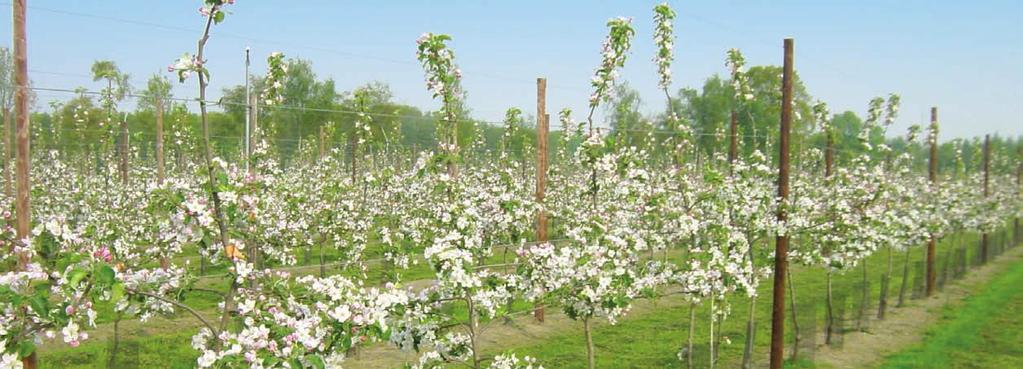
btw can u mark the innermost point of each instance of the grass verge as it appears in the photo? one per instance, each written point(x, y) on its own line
point(986, 331)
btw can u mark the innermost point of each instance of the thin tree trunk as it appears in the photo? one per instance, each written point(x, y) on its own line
point(117, 340)
point(590, 358)
point(795, 322)
point(862, 324)
point(886, 279)
point(692, 329)
point(829, 328)
point(323, 269)
point(747, 352)
point(712, 359)
point(474, 331)
point(905, 280)
point(123, 149)
point(160, 174)
point(747, 355)
point(160, 171)
point(210, 171)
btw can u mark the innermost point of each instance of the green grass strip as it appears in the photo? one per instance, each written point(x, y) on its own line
point(983, 332)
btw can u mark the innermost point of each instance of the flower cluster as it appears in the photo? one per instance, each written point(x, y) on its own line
point(444, 80)
point(277, 71)
point(664, 38)
point(736, 64)
point(613, 54)
point(186, 65)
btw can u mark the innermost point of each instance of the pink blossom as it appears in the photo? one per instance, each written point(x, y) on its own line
point(103, 253)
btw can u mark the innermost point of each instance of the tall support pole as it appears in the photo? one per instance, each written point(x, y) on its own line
point(542, 128)
point(829, 168)
point(248, 114)
point(252, 136)
point(22, 207)
point(782, 240)
point(8, 154)
point(932, 172)
point(733, 143)
point(987, 192)
point(21, 125)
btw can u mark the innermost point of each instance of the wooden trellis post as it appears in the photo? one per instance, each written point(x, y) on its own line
point(782, 240)
point(8, 154)
point(933, 176)
point(542, 128)
point(23, 209)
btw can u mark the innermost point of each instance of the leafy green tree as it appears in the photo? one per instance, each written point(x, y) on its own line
point(117, 83)
point(6, 81)
point(628, 124)
point(708, 110)
point(381, 116)
point(306, 106)
point(516, 140)
point(759, 117)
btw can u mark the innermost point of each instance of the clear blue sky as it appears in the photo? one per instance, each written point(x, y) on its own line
point(962, 56)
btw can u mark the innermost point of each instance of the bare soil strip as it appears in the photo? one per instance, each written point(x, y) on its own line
point(905, 326)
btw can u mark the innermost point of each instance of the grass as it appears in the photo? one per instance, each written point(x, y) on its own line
point(647, 338)
point(985, 332)
point(168, 350)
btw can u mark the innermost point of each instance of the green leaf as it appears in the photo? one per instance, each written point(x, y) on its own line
point(117, 292)
point(218, 16)
point(40, 305)
point(26, 348)
point(316, 361)
point(105, 275)
point(76, 276)
point(42, 287)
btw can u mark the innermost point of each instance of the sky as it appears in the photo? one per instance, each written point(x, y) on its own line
point(961, 56)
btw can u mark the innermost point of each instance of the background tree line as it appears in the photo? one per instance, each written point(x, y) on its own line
point(87, 123)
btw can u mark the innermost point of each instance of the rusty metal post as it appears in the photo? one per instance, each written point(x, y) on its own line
point(932, 172)
point(987, 192)
point(782, 241)
point(542, 129)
